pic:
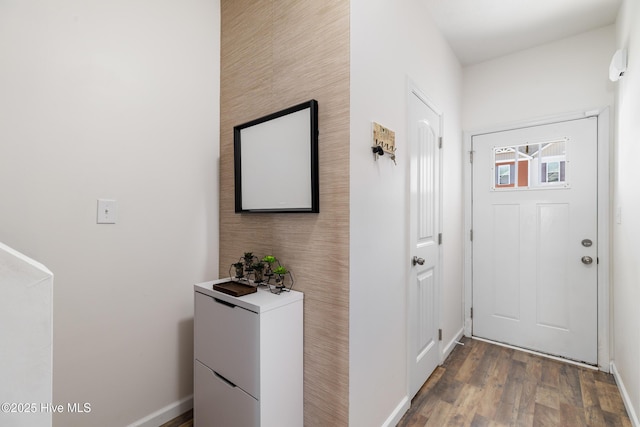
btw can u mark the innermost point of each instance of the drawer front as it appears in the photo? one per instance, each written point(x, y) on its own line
point(227, 341)
point(219, 404)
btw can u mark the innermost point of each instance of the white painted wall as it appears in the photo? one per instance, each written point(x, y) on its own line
point(554, 78)
point(391, 41)
point(118, 100)
point(626, 234)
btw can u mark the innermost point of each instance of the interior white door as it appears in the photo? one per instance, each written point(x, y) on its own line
point(423, 288)
point(534, 238)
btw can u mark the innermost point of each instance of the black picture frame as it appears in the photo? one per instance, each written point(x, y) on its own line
point(276, 162)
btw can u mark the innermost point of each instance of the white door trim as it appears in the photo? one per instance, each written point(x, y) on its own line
point(413, 89)
point(604, 215)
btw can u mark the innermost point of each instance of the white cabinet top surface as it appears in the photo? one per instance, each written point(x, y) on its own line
point(258, 302)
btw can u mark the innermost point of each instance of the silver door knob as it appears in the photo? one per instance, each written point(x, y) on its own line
point(587, 260)
point(417, 260)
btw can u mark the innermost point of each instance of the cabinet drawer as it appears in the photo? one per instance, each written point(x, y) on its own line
point(227, 341)
point(218, 403)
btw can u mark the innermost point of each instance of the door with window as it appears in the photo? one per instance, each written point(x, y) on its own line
point(534, 238)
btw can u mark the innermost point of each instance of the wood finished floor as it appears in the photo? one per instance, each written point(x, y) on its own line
point(482, 384)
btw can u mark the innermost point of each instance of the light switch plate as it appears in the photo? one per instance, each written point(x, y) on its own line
point(107, 211)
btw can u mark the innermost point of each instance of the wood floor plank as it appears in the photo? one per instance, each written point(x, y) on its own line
point(431, 382)
point(588, 389)
point(526, 408)
point(490, 400)
point(615, 420)
point(459, 355)
point(484, 367)
point(571, 415)
point(449, 389)
point(419, 404)
point(471, 363)
point(495, 387)
point(546, 417)
point(507, 411)
point(440, 414)
point(590, 401)
point(548, 396)
point(418, 420)
point(534, 367)
point(184, 420)
point(569, 385)
point(603, 377)
point(464, 408)
point(428, 408)
point(550, 373)
point(479, 421)
point(609, 397)
point(594, 417)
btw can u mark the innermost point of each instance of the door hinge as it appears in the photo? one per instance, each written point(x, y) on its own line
point(472, 312)
point(439, 334)
point(471, 235)
point(440, 142)
point(470, 156)
point(439, 238)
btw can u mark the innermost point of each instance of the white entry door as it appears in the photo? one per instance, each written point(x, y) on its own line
point(534, 238)
point(423, 288)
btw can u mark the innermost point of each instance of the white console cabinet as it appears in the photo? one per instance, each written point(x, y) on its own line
point(248, 367)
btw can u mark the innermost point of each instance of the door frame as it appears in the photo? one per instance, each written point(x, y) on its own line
point(412, 89)
point(604, 215)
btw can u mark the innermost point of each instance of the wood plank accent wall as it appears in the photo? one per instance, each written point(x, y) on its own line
point(275, 54)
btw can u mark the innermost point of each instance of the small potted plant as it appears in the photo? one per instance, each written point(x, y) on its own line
point(248, 259)
point(239, 266)
point(280, 271)
point(258, 269)
point(268, 260)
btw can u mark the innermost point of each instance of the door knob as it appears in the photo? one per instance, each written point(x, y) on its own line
point(587, 260)
point(417, 260)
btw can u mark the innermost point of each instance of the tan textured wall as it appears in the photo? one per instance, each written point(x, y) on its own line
point(275, 54)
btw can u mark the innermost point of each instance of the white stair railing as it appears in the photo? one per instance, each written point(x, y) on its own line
point(26, 340)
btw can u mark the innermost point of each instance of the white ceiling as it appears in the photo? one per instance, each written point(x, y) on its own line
point(478, 30)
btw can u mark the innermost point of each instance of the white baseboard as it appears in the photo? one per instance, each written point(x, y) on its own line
point(397, 413)
point(451, 345)
point(165, 414)
point(625, 396)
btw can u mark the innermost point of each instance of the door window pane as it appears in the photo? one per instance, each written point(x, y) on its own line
point(529, 166)
point(553, 171)
point(553, 158)
point(504, 174)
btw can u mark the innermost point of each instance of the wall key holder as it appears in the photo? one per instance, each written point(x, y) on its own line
point(384, 141)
